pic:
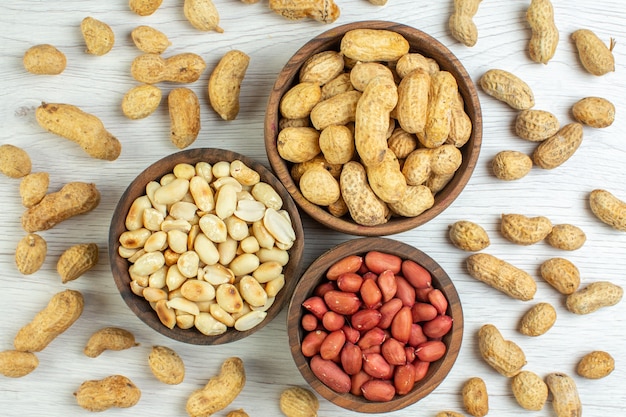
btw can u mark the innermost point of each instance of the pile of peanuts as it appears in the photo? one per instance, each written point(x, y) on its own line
point(207, 245)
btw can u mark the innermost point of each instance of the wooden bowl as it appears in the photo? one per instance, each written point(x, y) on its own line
point(120, 265)
point(419, 42)
point(316, 273)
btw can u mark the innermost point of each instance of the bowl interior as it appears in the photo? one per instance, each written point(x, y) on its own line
point(419, 42)
point(315, 273)
point(119, 265)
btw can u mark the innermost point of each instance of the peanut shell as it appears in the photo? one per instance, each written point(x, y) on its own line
point(560, 147)
point(595, 365)
point(166, 365)
point(44, 59)
point(538, 319)
point(511, 165)
point(30, 253)
point(529, 390)
point(594, 111)
point(14, 161)
point(468, 236)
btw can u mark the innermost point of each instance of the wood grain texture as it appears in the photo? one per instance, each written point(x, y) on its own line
point(97, 85)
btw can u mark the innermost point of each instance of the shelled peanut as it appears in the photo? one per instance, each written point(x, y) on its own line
point(350, 114)
point(373, 325)
point(207, 245)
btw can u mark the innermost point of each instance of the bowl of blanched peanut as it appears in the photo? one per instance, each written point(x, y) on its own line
point(205, 246)
point(374, 127)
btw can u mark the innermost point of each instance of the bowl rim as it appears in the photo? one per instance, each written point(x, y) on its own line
point(119, 265)
point(312, 275)
point(443, 199)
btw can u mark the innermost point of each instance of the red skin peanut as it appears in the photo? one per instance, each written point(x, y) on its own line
point(417, 275)
point(430, 351)
point(388, 311)
point(316, 305)
point(370, 294)
point(312, 342)
point(332, 344)
point(437, 327)
point(376, 366)
point(417, 335)
point(401, 324)
point(393, 351)
point(349, 282)
point(324, 287)
point(332, 321)
point(345, 303)
point(388, 286)
point(351, 358)
point(309, 322)
point(405, 291)
point(352, 334)
point(378, 262)
point(373, 337)
point(404, 378)
point(330, 374)
point(378, 390)
point(438, 300)
point(421, 368)
point(423, 312)
point(366, 319)
point(357, 381)
point(351, 263)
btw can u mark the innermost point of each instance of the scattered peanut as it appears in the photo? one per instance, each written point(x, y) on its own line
point(538, 319)
point(529, 390)
point(502, 276)
point(44, 59)
point(369, 45)
point(109, 338)
point(237, 413)
point(99, 36)
point(505, 356)
point(565, 398)
point(562, 274)
point(524, 230)
point(594, 296)
point(30, 253)
point(462, 27)
point(14, 161)
point(16, 364)
point(545, 34)
point(475, 397)
point(72, 199)
point(511, 165)
point(225, 84)
point(507, 88)
point(185, 67)
point(112, 391)
point(144, 7)
point(141, 101)
point(298, 402)
point(85, 129)
point(166, 365)
point(77, 260)
point(202, 14)
point(323, 11)
point(220, 391)
point(566, 237)
point(184, 110)
point(536, 125)
point(63, 309)
point(608, 208)
point(594, 111)
point(595, 365)
point(33, 188)
point(150, 40)
point(468, 236)
point(594, 55)
point(560, 147)
point(449, 414)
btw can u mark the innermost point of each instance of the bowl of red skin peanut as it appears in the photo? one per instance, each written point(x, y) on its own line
point(375, 325)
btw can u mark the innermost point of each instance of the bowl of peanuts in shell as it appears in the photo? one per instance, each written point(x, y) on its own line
point(205, 246)
point(373, 127)
point(375, 325)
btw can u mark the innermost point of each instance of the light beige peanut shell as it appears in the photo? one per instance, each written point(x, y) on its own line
point(437, 182)
point(186, 67)
point(468, 236)
point(77, 260)
point(448, 414)
point(340, 84)
point(538, 319)
point(33, 188)
point(371, 122)
point(319, 186)
point(402, 143)
point(413, 98)
point(98, 36)
point(566, 237)
point(323, 11)
point(386, 179)
point(561, 274)
point(144, 7)
point(462, 27)
point(511, 165)
point(536, 125)
point(166, 365)
point(596, 112)
point(337, 144)
point(443, 92)
point(595, 365)
point(595, 56)
point(565, 398)
point(203, 15)
point(529, 390)
point(85, 129)
point(502, 276)
point(545, 34)
point(415, 200)
point(16, 364)
point(225, 83)
point(505, 356)
point(14, 161)
point(524, 230)
point(414, 60)
point(112, 391)
point(608, 208)
point(109, 338)
point(141, 101)
point(298, 144)
point(298, 169)
point(373, 45)
point(220, 390)
point(593, 297)
point(299, 100)
point(365, 207)
point(508, 88)
point(557, 149)
point(363, 72)
point(417, 166)
point(298, 402)
point(184, 110)
point(44, 59)
point(321, 67)
point(475, 397)
point(338, 208)
point(339, 109)
point(30, 253)
point(237, 413)
point(63, 309)
point(460, 123)
point(150, 40)
point(72, 199)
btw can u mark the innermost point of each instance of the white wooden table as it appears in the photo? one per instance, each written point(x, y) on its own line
point(97, 84)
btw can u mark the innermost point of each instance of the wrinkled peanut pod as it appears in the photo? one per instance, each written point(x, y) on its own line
point(14, 161)
point(33, 188)
point(462, 27)
point(150, 40)
point(594, 55)
point(16, 364)
point(63, 309)
point(505, 356)
point(30, 253)
point(507, 88)
point(298, 402)
point(443, 91)
point(44, 59)
point(511, 165)
point(594, 111)
point(166, 365)
point(593, 297)
point(562, 274)
point(112, 391)
point(202, 14)
point(595, 365)
point(77, 260)
point(368, 45)
point(323, 11)
point(566, 237)
point(184, 109)
point(144, 7)
point(364, 205)
point(72, 199)
point(524, 230)
point(560, 147)
point(502, 276)
point(99, 36)
point(565, 398)
point(475, 397)
point(538, 319)
point(536, 125)
point(608, 208)
point(141, 101)
point(225, 84)
point(545, 34)
point(468, 236)
point(185, 67)
point(219, 391)
point(530, 391)
point(109, 338)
